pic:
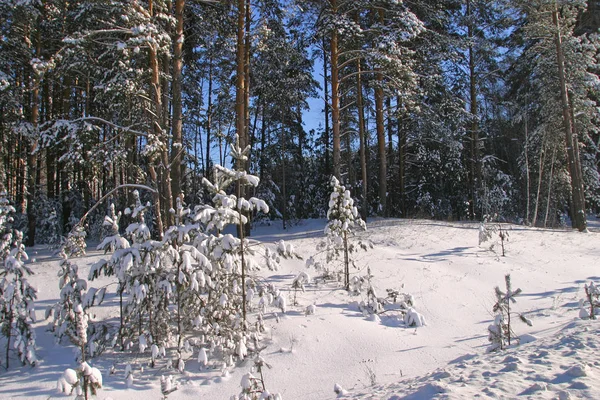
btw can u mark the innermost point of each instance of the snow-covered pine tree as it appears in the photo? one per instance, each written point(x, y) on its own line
point(500, 332)
point(143, 306)
point(343, 219)
point(74, 244)
point(186, 265)
point(70, 314)
point(17, 296)
point(226, 282)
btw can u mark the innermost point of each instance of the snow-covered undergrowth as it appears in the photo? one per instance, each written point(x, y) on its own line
point(324, 340)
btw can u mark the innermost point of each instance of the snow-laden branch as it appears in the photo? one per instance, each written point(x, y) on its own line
point(107, 195)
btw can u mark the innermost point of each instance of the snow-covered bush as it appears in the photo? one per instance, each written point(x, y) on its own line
point(343, 219)
point(298, 283)
point(592, 300)
point(17, 296)
point(395, 301)
point(500, 332)
point(83, 381)
point(488, 228)
point(254, 387)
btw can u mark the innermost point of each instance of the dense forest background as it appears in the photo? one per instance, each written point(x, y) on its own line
point(448, 109)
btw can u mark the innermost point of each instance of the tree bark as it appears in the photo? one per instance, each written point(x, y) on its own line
point(326, 139)
point(381, 148)
point(361, 134)
point(577, 192)
point(401, 163)
point(474, 167)
point(177, 124)
point(156, 121)
point(32, 150)
point(335, 99)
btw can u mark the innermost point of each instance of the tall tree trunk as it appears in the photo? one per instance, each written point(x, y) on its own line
point(240, 82)
point(157, 128)
point(527, 177)
point(177, 124)
point(335, 98)
point(326, 139)
point(539, 187)
point(390, 153)
point(361, 134)
point(474, 167)
point(401, 163)
point(577, 192)
point(209, 111)
point(32, 151)
point(240, 92)
point(283, 166)
point(381, 148)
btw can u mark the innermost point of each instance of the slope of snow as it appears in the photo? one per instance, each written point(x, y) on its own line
point(452, 280)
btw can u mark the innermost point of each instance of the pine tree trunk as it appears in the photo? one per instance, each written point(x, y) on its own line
point(32, 151)
point(550, 186)
point(474, 168)
point(539, 187)
point(209, 111)
point(335, 99)
point(157, 121)
point(577, 192)
point(381, 147)
point(346, 263)
point(177, 128)
point(283, 185)
point(527, 177)
point(240, 93)
point(362, 139)
point(401, 164)
point(326, 139)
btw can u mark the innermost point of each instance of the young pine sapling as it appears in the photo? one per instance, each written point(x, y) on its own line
point(500, 332)
point(343, 219)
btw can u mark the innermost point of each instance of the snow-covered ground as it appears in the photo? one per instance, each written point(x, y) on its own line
point(452, 280)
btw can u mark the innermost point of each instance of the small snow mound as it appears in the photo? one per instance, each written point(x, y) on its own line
point(340, 391)
point(431, 390)
point(527, 338)
point(564, 395)
point(310, 310)
point(413, 318)
point(578, 371)
point(374, 318)
point(538, 387)
point(511, 367)
point(512, 359)
point(70, 376)
point(442, 375)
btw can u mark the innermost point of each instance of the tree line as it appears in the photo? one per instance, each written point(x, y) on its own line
point(449, 109)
